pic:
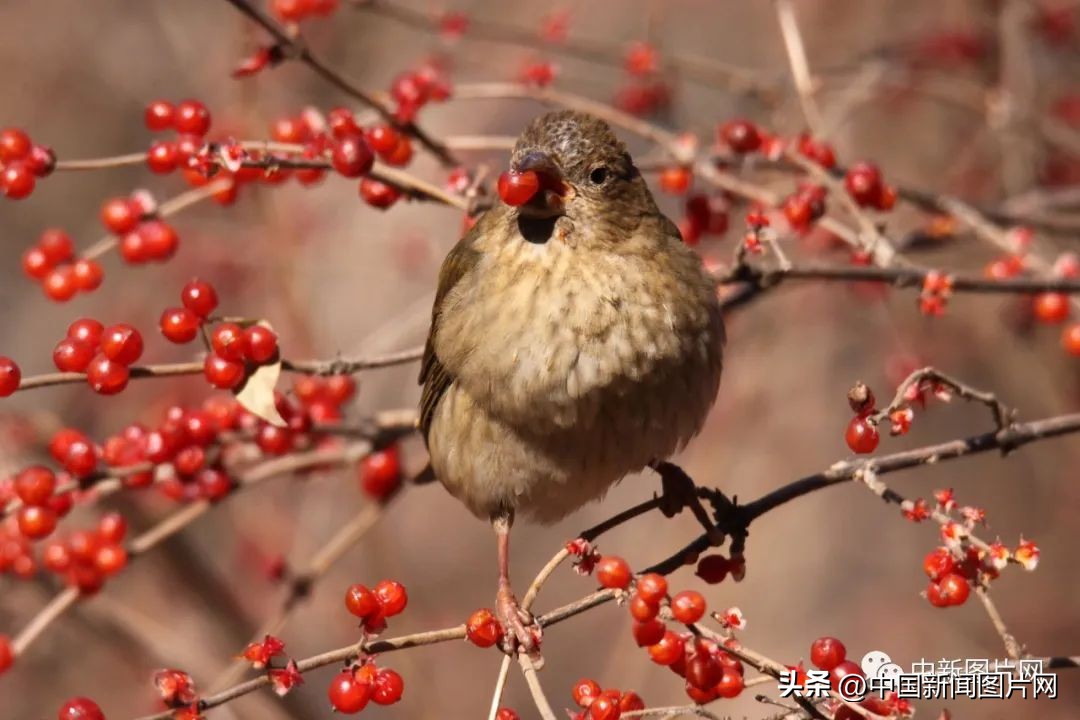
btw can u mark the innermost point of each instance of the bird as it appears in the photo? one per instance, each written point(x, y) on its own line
point(574, 340)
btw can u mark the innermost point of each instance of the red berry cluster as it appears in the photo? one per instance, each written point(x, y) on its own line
point(374, 606)
point(864, 184)
point(52, 263)
point(86, 558)
point(176, 689)
point(42, 506)
point(598, 704)
point(804, 206)
point(259, 654)
point(413, 89)
point(537, 72)
point(380, 473)
point(21, 163)
point(936, 290)
point(710, 672)
point(354, 687)
point(191, 121)
point(862, 433)
point(645, 91)
point(705, 215)
point(104, 354)
point(297, 10)
point(322, 397)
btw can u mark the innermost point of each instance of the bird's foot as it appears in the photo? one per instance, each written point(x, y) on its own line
point(520, 631)
point(678, 492)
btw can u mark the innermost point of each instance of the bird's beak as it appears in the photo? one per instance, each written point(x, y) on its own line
point(550, 200)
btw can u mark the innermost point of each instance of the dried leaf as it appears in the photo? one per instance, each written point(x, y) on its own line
point(257, 394)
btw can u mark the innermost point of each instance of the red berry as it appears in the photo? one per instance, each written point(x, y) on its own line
point(10, 376)
point(392, 597)
point(1070, 340)
point(642, 609)
point(260, 344)
point(110, 559)
point(17, 181)
point(35, 485)
point(72, 356)
point(274, 440)
point(106, 376)
point(122, 343)
point(603, 708)
point(290, 10)
point(228, 341)
point(214, 484)
point(120, 215)
point(112, 527)
point(340, 388)
point(652, 587)
point(192, 118)
point(221, 373)
point(57, 246)
point(703, 670)
point(648, 632)
point(341, 122)
point(401, 155)
point(836, 674)
point(631, 701)
point(585, 691)
point(36, 522)
point(35, 263)
point(669, 650)
point(863, 183)
point(87, 274)
point(613, 572)
point(81, 458)
point(133, 248)
point(87, 331)
point(506, 714)
point(162, 157)
point(159, 115)
point(383, 139)
point(731, 684)
point(675, 180)
point(179, 325)
point(861, 436)
point(14, 144)
point(827, 652)
point(388, 687)
point(938, 562)
point(200, 298)
point(59, 285)
point(741, 136)
point(7, 655)
point(347, 695)
point(80, 708)
point(1051, 307)
point(688, 606)
point(360, 601)
point(352, 157)
point(41, 161)
point(83, 545)
point(378, 194)
point(483, 629)
point(159, 240)
point(380, 473)
point(954, 589)
point(517, 188)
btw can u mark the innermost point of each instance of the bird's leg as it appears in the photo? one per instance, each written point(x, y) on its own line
point(678, 491)
point(516, 623)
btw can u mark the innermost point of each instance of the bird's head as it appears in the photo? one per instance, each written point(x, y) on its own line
point(585, 171)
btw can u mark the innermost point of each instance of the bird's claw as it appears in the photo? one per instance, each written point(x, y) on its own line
point(677, 489)
point(520, 631)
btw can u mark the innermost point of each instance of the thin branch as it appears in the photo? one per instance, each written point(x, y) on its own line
point(500, 686)
point(800, 66)
point(305, 367)
point(1002, 415)
point(539, 699)
point(296, 48)
point(1012, 646)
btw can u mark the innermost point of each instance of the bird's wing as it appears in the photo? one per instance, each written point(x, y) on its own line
point(433, 374)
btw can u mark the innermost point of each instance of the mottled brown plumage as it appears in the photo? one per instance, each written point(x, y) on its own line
point(573, 340)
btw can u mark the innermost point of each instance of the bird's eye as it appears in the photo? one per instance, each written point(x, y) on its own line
point(598, 175)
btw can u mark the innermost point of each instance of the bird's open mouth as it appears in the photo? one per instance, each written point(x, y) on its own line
point(551, 197)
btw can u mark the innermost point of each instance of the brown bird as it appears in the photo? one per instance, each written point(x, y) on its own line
point(574, 340)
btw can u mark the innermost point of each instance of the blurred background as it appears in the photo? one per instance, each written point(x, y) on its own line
point(980, 99)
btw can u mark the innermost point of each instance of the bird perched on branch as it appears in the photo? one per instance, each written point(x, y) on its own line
point(574, 339)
